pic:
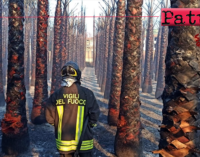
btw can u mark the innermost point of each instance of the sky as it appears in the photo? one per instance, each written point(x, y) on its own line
point(92, 6)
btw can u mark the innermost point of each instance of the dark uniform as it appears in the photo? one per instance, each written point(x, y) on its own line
point(67, 109)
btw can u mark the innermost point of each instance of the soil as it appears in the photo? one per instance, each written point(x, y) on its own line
point(42, 136)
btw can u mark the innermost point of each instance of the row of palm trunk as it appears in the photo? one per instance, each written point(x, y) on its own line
point(28, 57)
point(179, 136)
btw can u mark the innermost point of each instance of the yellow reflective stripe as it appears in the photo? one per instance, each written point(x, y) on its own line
point(73, 142)
point(69, 148)
point(79, 122)
point(60, 115)
point(82, 117)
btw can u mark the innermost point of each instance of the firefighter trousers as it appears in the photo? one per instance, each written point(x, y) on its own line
point(89, 154)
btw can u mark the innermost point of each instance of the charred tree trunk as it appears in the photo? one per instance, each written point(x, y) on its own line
point(34, 53)
point(2, 97)
point(41, 87)
point(97, 54)
point(117, 65)
point(179, 135)
point(56, 77)
point(15, 137)
point(70, 43)
point(128, 137)
point(147, 86)
point(161, 69)
point(105, 56)
point(141, 53)
point(158, 53)
point(28, 56)
point(64, 36)
point(94, 45)
point(110, 58)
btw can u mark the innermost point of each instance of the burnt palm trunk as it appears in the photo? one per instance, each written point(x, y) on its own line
point(94, 45)
point(105, 56)
point(117, 65)
point(179, 135)
point(97, 54)
point(158, 53)
point(141, 53)
point(161, 70)
point(2, 97)
point(41, 87)
point(128, 139)
point(147, 86)
point(15, 137)
point(28, 55)
point(63, 36)
point(70, 43)
point(34, 52)
point(110, 58)
point(56, 77)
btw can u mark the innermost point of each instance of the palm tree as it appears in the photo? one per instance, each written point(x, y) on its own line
point(117, 65)
point(158, 46)
point(105, 60)
point(179, 135)
point(14, 124)
point(33, 52)
point(128, 139)
point(161, 69)
point(41, 87)
point(63, 36)
point(147, 85)
point(55, 84)
point(110, 54)
point(2, 97)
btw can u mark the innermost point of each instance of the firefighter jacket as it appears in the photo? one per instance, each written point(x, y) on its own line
point(66, 109)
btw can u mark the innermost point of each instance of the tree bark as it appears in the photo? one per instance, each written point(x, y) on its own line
point(41, 87)
point(147, 86)
point(105, 64)
point(2, 97)
point(158, 53)
point(34, 53)
point(179, 135)
point(141, 53)
point(110, 59)
point(117, 65)
point(64, 36)
point(128, 137)
point(161, 70)
point(56, 76)
point(15, 137)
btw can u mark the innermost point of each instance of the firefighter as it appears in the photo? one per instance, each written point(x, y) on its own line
point(67, 109)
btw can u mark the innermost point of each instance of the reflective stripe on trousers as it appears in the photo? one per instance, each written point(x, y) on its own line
point(72, 145)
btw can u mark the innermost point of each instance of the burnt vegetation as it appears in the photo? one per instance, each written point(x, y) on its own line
point(134, 60)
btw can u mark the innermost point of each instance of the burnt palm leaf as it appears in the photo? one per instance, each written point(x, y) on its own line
point(41, 87)
point(14, 124)
point(128, 139)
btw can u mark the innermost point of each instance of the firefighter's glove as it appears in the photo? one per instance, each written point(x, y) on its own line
point(92, 125)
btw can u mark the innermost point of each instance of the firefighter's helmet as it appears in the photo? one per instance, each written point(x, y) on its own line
point(71, 70)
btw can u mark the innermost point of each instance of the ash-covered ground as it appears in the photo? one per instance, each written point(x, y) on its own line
point(42, 136)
